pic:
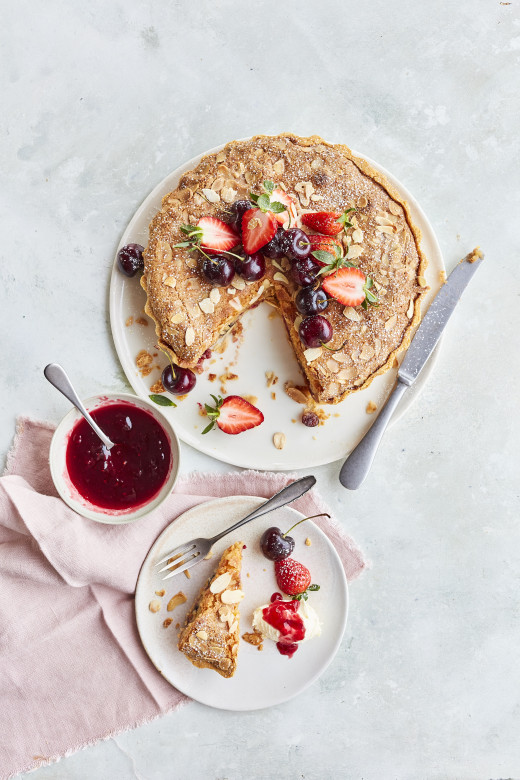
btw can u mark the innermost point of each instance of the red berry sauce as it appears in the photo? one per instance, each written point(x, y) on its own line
point(133, 471)
point(283, 615)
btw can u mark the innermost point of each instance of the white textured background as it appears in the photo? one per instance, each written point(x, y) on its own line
point(100, 100)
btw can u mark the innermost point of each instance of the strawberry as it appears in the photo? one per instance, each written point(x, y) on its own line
point(323, 244)
point(292, 577)
point(329, 222)
point(279, 196)
point(233, 414)
point(347, 285)
point(216, 235)
point(258, 228)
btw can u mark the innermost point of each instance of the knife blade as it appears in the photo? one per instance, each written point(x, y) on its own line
point(357, 465)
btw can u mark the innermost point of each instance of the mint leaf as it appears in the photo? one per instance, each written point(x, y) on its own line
point(161, 400)
point(264, 202)
point(277, 208)
point(323, 256)
point(268, 187)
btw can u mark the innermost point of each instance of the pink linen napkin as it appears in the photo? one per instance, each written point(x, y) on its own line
point(72, 667)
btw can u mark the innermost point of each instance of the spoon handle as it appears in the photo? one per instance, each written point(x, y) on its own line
point(56, 375)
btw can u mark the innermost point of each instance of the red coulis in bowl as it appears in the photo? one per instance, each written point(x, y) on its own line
point(133, 471)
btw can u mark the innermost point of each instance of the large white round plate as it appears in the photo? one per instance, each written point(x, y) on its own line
point(264, 678)
point(264, 347)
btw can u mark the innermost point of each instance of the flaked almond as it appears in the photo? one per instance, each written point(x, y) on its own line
point(422, 281)
point(202, 634)
point(332, 366)
point(279, 440)
point(295, 394)
point(367, 352)
point(220, 583)
point(357, 236)
point(163, 251)
point(235, 303)
point(228, 194)
point(347, 373)
point(221, 156)
point(167, 622)
point(189, 336)
point(218, 184)
point(351, 314)
point(211, 195)
point(238, 283)
point(160, 593)
point(411, 309)
point(341, 357)
point(279, 167)
point(176, 601)
point(354, 251)
point(308, 542)
point(391, 322)
point(394, 208)
point(279, 277)
point(312, 354)
point(154, 605)
point(232, 628)
point(362, 202)
point(298, 322)
point(170, 281)
point(214, 295)
point(385, 229)
point(176, 318)
point(207, 305)
point(232, 596)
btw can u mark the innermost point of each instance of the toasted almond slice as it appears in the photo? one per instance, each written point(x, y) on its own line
point(367, 352)
point(218, 183)
point(347, 373)
point(228, 194)
point(411, 309)
point(235, 303)
point(170, 281)
point(357, 235)
point(238, 283)
point(232, 628)
point(176, 318)
point(385, 229)
point(154, 605)
point(207, 305)
point(189, 336)
point(355, 250)
point(279, 277)
point(312, 353)
point(221, 156)
point(279, 440)
point(202, 634)
point(211, 195)
point(422, 281)
point(214, 295)
point(332, 366)
point(220, 583)
point(279, 167)
point(298, 321)
point(362, 202)
point(176, 601)
point(391, 322)
point(351, 314)
point(394, 208)
point(232, 596)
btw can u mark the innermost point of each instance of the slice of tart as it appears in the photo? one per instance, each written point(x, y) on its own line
point(210, 636)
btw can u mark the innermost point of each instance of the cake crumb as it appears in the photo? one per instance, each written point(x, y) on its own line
point(308, 542)
point(154, 605)
point(129, 321)
point(157, 387)
point(212, 377)
point(442, 276)
point(176, 601)
point(273, 395)
point(209, 555)
point(371, 407)
point(253, 399)
point(271, 377)
point(177, 625)
point(141, 321)
point(160, 592)
point(167, 622)
point(187, 574)
point(253, 638)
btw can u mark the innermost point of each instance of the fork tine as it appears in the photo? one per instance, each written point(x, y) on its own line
point(177, 560)
point(180, 550)
point(192, 560)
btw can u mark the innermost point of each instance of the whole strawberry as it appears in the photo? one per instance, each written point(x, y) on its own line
point(293, 577)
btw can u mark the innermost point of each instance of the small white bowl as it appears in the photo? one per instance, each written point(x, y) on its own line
point(63, 483)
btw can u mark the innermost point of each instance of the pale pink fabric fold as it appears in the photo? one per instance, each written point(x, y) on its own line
point(72, 668)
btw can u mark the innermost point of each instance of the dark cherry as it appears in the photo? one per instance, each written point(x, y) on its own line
point(275, 545)
point(297, 245)
point(304, 271)
point(238, 209)
point(315, 331)
point(311, 301)
point(177, 380)
point(276, 246)
point(130, 259)
point(310, 419)
point(218, 270)
point(250, 267)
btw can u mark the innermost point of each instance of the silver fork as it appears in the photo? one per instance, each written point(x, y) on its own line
point(197, 549)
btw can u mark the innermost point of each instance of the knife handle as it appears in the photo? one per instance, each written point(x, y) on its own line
point(357, 465)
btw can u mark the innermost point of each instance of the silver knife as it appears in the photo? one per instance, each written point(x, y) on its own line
point(357, 465)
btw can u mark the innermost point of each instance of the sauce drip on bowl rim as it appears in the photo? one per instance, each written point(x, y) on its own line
point(133, 471)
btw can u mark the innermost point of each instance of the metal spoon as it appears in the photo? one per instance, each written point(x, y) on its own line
point(56, 375)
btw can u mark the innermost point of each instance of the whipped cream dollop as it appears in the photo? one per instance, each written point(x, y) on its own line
point(309, 619)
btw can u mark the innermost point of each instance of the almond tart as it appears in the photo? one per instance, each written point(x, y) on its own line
point(210, 636)
point(191, 314)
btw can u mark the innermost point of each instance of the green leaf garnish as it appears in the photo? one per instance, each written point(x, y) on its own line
point(213, 412)
point(264, 201)
point(305, 595)
point(276, 207)
point(161, 400)
point(269, 187)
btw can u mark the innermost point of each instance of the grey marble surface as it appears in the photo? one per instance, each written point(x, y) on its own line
point(100, 101)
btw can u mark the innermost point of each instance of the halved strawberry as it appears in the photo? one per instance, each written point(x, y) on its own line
point(216, 235)
point(280, 196)
point(258, 228)
point(233, 414)
point(323, 244)
point(347, 285)
point(329, 222)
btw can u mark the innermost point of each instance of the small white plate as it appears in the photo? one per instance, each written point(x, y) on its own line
point(263, 678)
point(265, 347)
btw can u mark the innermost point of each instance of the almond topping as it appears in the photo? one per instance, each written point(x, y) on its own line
point(371, 407)
point(279, 167)
point(214, 295)
point(232, 596)
point(176, 318)
point(154, 606)
point(207, 306)
point(333, 366)
point(422, 281)
point(279, 277)
point(211, 195)
point(411, 308)
point(354, 250)
point(312, 353)
point(228, 194)
point(362, 202)
point(347, 373)
point(189, 336)
point(394, 208)
point(176, 600)
point(235, 303)
point(170, 281)
point(220, 583)
point(351, 314)
point(357, 235)
point(202, 634)
point(391, 322)
point(279, 440)
point(238, 283)
point(367, 352)
point(218, 184)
